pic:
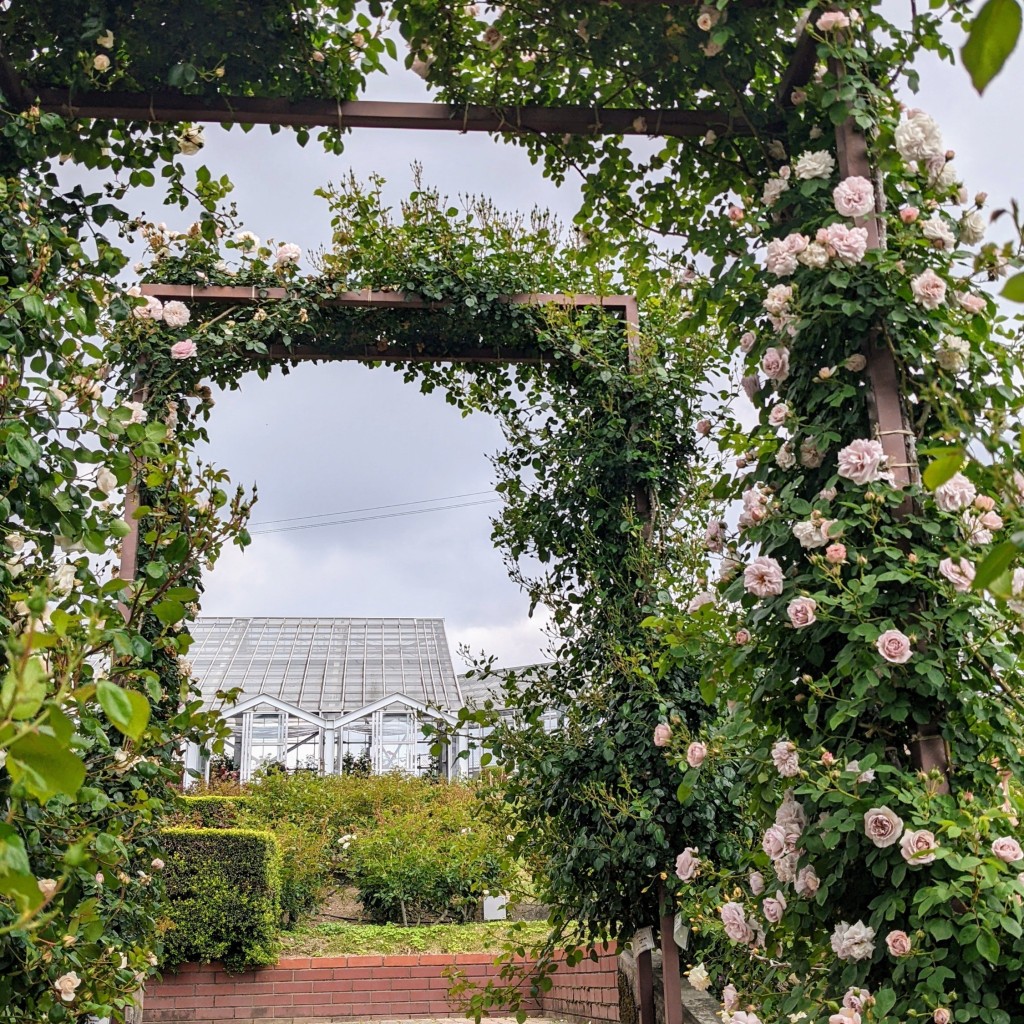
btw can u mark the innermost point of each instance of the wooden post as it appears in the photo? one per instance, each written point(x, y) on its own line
point(887, 411)
point(129, 562)
point(645, 982)
point(670, 973)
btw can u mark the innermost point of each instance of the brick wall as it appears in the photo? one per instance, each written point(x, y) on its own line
point(302, 990)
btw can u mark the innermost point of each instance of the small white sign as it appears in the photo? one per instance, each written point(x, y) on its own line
point(643, 941)
point(681, 932)
point(494, 908)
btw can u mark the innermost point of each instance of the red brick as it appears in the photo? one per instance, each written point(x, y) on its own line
point(401, 961)
point(427, 959)
point(392, 972)
point(353, 973)
point(292, 963)
point(366, 961)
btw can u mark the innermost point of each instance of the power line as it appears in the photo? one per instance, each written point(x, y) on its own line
point(372, 508)
point(366, 519)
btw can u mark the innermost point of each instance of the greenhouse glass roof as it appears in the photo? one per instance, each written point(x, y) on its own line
point(327, 667)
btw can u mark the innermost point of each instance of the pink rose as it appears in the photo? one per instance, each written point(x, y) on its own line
point(918, 847)
point(898, 943)
point(751, 384)
point(775, 364)
point(836, 553)
point(184, 349)
point(929, 289)
point(857, 999)
point(774, 907)
point(960, 573)
point(774, 842)
point(955, 494)
point(908, 214)
point(730, 998)
point(807, 882)
point(288, 254)
point(984, 503)
point(1007, 849)
point(747, 340)
point(861, 460)
point(942, 1016)
point(832, 21)
point(742, 637)
point(176, 314)
point(695, 754)
point(778, 298)
point(991, 520)
point(849, 244)
point(974, 304)
point(786, 759)
point(763, 577)
point(736, 214)
point(854, 196)
point(734, 921)
point(894, 646)
point(801, 612)
point(882, 826)
point(756, 883)
point(662, 734)
point(687, 865)
point(828, 758)
point(777, 416)
point(703, 427)
point(846, 1015)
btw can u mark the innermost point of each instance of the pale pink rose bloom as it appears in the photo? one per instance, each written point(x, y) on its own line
point(854, 197)
point(687, 865)
point(778, 414)
point(774, 907)
point(703, 598)
point(929, 289)
point(991, 520)
point(184, 349)
point(695, 754)
point(894, 646)
point(882, 826)
point(730, 998)
point(828, 494)
point(908, 214)
point(288, 254)
point(853, 941)
point(714, 535)
point(774, 841)
point(974, 304)
point(831, 21)
point(786, 759)
point(176, 314)
point(857, 999)
point(756, 883)
point(775, 364)
point(742, 637)
point(845, 1016)
point(791, 813)
point(778, 298)
point(744, 1016)
point(157, 864)
point(898, 943)
point(1007, 849)
point(849, 244)
point(960, 573)
point(828, 758)
point(801, 612)
point(984, 503)
point(662, 734)
point(861, 460)
point(703, 427)
point(836, 553)
point(785, 867)
point(956, 493)
point(807, 882)
point(751, 384)
point(918, 847)
point(736, 214)
point(747, 340)
point(734, 920)
point(855, 363)
point(152, 310)
point(763, 577)
point(942, 1016)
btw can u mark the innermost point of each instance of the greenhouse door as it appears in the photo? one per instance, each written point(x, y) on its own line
point(395, 733)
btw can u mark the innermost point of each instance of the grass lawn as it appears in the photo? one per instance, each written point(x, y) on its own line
point(338, 939)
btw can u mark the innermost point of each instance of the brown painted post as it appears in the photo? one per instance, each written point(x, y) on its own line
point(645, 982)
point(887, 411)
point(670, 972)
point(129, 562)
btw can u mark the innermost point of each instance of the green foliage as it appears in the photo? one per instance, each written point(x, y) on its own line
point(223, 889)
point(993, 37)
point(431, 863)
point(209, 811)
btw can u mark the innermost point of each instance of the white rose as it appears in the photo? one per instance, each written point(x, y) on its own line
point(937, 230)
point(64, 579)
point(952, 353)
point(699, 978)
point(919, 138)
point(66, 985)
point(972, 228)
point(190, 141)
point(814, 256)
point(819, 164)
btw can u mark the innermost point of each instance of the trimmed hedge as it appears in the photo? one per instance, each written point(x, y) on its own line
point(223, 888)
point(210, 811)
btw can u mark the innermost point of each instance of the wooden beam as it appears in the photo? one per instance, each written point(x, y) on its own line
point(173, 108)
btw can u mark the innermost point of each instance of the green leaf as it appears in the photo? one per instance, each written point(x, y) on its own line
point(993, 37)
point(1014, 288)
point(45, 766)
point(128, 710)
point(22, 695)
point(995, 563)
point(942, 468)
point(988, 947)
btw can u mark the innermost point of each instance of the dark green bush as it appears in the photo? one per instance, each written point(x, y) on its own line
point(210, 811)
point(223, 888)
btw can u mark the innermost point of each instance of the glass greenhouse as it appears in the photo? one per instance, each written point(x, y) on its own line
point(329, 695)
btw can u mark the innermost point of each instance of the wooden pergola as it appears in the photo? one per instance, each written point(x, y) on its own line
point(886, 406)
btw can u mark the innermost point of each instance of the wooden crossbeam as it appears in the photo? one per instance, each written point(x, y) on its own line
point(244, 295)
point(173, 108)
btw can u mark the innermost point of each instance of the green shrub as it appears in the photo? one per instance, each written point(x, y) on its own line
point(209, 811)
point(223, 888)
point(305, 867)
point(432, 863)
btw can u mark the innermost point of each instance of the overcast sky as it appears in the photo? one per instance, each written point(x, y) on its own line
point(337, 437)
